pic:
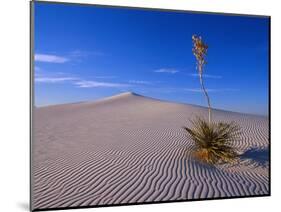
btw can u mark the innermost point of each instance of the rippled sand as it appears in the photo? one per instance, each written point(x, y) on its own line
point(131, 149)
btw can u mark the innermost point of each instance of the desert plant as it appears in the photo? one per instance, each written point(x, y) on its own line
point(200, 51)
point(214, 141)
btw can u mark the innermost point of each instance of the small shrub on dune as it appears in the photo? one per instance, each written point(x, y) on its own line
point(213, 141)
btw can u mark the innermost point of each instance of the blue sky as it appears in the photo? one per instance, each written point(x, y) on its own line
point(84, 53)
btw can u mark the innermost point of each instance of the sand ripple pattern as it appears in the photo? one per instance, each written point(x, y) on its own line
point(131, 149)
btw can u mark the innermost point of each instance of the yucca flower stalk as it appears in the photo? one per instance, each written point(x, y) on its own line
point(200, 51)
point(214, 141)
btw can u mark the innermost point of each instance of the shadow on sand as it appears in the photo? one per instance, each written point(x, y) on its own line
point(257, 155)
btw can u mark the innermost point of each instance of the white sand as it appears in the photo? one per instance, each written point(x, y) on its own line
point(129, 149)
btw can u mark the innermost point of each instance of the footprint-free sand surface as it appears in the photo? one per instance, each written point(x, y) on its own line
point(131, 149)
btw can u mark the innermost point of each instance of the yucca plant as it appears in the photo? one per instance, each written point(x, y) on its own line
point(214, 141)
point(200, 52)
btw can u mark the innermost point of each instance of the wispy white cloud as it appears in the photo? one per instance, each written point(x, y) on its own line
point(76, 55)
point(207, 76)
point(105, 77)
point(198, 90)
point(140, 82)
point(166, 70)
point(60, 77)
point(93, 84)
point(50, 58)
point(54, 79)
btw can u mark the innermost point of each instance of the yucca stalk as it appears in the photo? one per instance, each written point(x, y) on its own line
point(213, 141)
point(200, 51)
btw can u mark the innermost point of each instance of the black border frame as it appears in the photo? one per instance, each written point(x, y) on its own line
point(31, 106)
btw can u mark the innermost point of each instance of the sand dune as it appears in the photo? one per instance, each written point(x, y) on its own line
point(130, 149)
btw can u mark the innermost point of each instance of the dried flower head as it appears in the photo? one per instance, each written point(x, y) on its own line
point(199, 50)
